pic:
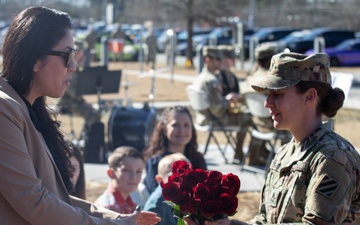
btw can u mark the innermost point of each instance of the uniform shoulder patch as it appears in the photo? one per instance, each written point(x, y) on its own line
point(327, 187)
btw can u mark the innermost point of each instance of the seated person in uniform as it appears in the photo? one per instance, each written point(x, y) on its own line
point(229, 81)
point(210, 81)
point(231, 89)
point(258, 152)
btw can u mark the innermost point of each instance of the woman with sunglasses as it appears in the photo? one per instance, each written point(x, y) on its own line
point(34, 167)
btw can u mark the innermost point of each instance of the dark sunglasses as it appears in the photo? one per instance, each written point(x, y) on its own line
point(69, 56)
point(217, 58)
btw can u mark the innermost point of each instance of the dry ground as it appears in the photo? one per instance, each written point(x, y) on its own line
point(346, 122)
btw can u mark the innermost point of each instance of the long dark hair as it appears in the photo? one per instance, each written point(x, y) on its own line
point(32, 33)
point(160, 143)
point(79, 189)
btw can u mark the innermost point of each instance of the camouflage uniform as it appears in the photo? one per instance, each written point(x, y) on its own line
point(228, 79)
point(258, 152)
point(212, 85)
point(317, 180)
point(230, 84)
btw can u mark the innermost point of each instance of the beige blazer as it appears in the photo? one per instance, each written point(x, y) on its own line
point(31, 187)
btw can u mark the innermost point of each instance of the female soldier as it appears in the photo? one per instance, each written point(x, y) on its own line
point(315, 178)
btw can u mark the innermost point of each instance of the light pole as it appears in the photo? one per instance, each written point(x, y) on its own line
point(104, 4)
point(251, 14)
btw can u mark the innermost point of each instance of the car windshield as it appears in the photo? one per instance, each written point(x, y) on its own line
point(183, 35)
point(296, 35)
point(218, 32)
point(262, 33)
point(312, 35)
point(344, 45)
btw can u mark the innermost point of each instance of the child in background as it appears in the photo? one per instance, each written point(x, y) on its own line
point(78, 173)
point(126, 165)
point(155, 202)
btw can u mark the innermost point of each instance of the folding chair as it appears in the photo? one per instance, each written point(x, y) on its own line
point(199, 102)
point(255, 102)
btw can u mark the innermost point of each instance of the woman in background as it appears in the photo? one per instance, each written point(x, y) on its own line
point(174, 133)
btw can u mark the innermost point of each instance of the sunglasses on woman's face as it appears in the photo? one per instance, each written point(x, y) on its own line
point(69, 56)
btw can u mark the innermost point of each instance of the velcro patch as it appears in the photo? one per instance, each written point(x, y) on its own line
point(327, 186)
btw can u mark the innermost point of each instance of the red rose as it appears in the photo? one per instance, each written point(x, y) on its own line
point(201, 192)
point(216, 176)
point(181, 167)
point(187, 182)
point(232, 203)
point(187, 206)
point(174, 178)
point(170, 191)
point(213, 186)
point(209, 208)
point(182, 198)
point(224, 201)
point(232, 181)
point(200, 175)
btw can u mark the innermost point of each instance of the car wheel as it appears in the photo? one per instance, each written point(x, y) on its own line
point(334, 61)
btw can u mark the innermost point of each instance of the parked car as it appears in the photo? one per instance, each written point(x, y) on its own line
point(129, 47)
point(224, 36)
point(196, 40)
point(346, 53)
point(199, 34)
point(293, 36)
point(332, 37)
point(266, 34)
point(219, 36)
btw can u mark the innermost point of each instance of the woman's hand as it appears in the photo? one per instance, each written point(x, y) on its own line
point(189, 221)
point(225, 221)
point(140, 218)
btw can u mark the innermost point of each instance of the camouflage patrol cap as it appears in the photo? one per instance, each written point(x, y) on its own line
point(213, 52)
point(227, 51)
point(288, 69)
point(266, 50)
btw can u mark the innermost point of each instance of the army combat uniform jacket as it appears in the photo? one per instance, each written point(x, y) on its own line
point(316, 181)
point(212, 87)
point(229, 81)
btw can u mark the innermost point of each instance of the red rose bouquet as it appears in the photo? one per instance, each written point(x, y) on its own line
point(200, 194)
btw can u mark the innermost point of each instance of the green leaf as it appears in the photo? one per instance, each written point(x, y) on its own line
point(172, 205)
point(180, 222)
point(233, 213)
